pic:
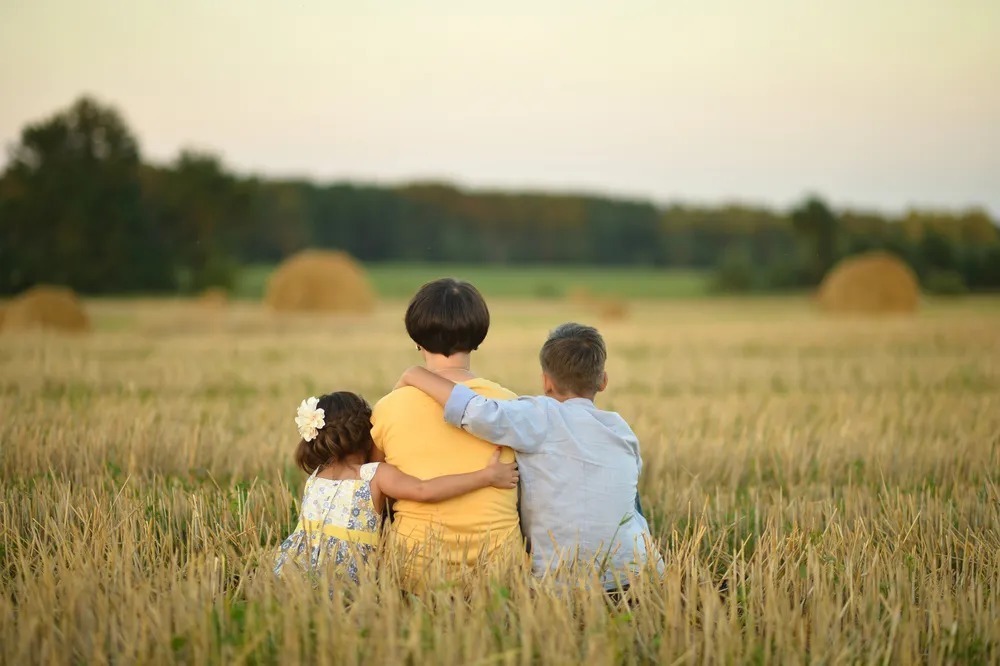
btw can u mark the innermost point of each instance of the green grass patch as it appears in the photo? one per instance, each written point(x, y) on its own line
point(402, 280)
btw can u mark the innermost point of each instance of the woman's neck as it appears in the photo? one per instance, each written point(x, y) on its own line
point(456, 367)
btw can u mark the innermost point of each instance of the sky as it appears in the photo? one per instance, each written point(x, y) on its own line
point(883, 104)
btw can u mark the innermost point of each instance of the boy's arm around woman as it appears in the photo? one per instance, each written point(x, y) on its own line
point(520, 424)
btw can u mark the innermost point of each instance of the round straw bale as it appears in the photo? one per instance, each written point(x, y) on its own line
point(611, 309)
point(213, 298)
point(874, 282)
point(45, 306)
point(320, 281)
point(580, 296)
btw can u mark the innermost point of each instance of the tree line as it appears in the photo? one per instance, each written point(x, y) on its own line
point(80, 207)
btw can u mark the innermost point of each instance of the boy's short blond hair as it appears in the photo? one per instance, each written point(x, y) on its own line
point(573, 356)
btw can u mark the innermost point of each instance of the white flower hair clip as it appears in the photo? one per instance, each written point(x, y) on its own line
point(310, 419)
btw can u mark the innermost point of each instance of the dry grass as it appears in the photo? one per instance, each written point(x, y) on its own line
point(824, 491)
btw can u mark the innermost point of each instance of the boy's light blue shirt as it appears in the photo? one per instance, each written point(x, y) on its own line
point(579, 470)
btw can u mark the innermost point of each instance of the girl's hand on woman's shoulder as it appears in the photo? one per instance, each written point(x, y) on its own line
point(500, 474)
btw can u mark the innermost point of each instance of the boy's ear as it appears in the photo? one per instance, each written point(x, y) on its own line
point(548, 386)
point(604, 383)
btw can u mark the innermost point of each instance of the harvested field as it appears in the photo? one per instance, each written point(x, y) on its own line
point(823, 490)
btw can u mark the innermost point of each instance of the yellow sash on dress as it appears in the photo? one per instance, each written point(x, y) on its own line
point(355, 536)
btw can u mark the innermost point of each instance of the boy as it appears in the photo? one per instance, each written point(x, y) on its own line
point(579, 465)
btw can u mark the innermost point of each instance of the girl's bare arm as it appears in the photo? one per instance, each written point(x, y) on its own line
point(394, 483)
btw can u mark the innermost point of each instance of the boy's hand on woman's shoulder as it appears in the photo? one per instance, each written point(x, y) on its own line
point(403, 379)
point(423, 379)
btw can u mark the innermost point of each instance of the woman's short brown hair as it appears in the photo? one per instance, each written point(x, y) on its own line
point(347, 430)
point(573, 357)
point(448, 316)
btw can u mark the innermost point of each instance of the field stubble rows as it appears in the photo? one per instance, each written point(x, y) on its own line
point(823, 490)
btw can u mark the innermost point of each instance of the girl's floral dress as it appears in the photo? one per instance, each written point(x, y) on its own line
point(338, 526)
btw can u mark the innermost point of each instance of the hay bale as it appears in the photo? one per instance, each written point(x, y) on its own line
point(870, 283)
point(608, 308)
point(611, 309)
point(580, 296)
point(213, 298)
point(320, 281)
point(44, 306)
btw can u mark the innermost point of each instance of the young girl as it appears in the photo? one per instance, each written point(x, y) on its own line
point(344, 495)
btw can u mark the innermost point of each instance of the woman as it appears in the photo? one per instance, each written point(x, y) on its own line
point(448, 320)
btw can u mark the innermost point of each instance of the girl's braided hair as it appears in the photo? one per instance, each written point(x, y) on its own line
point(347, 430)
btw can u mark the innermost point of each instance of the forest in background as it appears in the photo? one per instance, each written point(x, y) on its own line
point(80, 207)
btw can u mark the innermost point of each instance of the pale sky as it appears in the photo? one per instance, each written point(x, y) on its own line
point(872, 103)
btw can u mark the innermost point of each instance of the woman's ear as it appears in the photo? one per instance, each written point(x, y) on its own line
point(604, 383)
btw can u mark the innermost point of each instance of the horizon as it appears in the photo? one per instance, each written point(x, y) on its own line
point(882, 108)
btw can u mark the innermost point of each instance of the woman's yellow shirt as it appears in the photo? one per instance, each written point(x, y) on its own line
point(409, 428)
